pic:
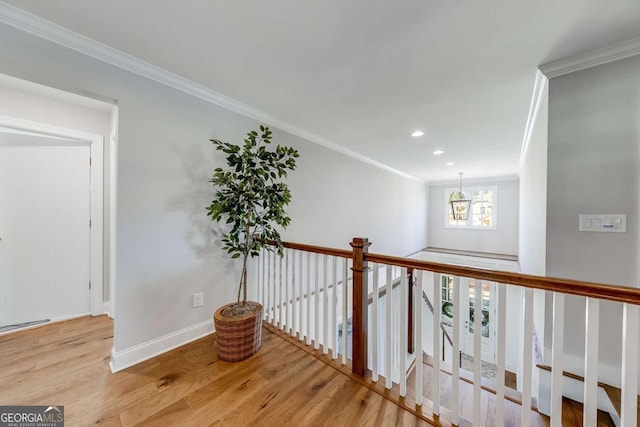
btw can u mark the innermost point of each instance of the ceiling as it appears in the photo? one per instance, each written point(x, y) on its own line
point(364, 74)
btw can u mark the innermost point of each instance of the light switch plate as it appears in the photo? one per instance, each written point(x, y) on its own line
point(603, 223)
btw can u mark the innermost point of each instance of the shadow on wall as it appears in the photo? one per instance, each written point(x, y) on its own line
point(197, 163)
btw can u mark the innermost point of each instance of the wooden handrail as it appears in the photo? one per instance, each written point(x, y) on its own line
point(342, 253)
point(565, 286)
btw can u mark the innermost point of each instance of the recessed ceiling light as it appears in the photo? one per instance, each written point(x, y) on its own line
point(438, 152)
point(417, 133)
point(450, 164)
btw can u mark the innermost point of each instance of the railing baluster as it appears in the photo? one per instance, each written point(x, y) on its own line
point(262, 283)
point(316, 308)
point(307, 328)
point(374, 325)
point(403, 332)
point(300, 297)
point(592, 321)
point(477, 351)
point(345, 309)
point(417, 300)
point(630, 322)
point(455, 353)
point(334, 317)
point(268, 306)
point(287, 321)
point(325, 306)
point(437, 307)
point(388, 345)
point(280, 297)
point(556, 359)
point(527, 358)
point(501, 349)
point(274, 288)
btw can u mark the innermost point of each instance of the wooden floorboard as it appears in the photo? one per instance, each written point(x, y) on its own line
point(67, 364)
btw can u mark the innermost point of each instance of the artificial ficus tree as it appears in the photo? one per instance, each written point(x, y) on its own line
point(251, 197)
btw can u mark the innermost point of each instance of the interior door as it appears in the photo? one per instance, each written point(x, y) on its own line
point(44, 228)
point(487, 312)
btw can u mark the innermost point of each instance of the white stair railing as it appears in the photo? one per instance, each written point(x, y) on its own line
point(309, 294)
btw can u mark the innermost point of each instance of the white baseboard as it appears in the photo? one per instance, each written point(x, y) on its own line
point(107, 309)
point(132, 356)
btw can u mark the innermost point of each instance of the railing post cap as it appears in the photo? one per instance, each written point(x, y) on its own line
point(360, 242)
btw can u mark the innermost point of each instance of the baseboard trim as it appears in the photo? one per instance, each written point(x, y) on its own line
point(132, 356)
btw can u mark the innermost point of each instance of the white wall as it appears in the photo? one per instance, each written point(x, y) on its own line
point(165, 247)
point(502, 240)
point(593, 158)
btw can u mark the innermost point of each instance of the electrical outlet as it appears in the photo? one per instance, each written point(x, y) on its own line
point(197, 300)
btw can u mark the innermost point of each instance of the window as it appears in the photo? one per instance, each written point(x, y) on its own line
point(483, 212)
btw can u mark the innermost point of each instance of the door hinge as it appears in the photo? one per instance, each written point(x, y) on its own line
point(89, 161)
point(89, 223)
point(89, 284)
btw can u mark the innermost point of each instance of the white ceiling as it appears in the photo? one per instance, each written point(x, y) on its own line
point(364, 74)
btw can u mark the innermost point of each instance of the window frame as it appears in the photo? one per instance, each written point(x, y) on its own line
point(469, 223)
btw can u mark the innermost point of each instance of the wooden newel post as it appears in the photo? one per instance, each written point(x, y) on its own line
point(359, 316)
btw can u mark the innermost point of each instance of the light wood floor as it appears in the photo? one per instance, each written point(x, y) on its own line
point(67, 364)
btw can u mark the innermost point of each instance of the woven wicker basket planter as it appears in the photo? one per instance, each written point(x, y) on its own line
point(238, 337)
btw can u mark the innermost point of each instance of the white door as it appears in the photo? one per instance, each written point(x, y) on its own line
point(488, 325)
point(44, 228)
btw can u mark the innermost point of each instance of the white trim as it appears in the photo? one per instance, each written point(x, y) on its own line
point(96, 232)
point(593, 58)
point(113, 205)
point(131, 356)
point(539, 87)
point(55, 33)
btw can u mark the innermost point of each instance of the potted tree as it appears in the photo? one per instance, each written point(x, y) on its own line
point(250, 198)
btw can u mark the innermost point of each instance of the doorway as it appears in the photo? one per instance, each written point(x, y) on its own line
point(50, 223)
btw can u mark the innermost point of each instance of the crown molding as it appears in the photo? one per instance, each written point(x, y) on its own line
point(600, 56)
point(55, 33)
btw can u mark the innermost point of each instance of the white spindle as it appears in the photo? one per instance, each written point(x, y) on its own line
point(437, 307)
point(556, 359)
point(374, 326)
point(527, 358)
point(300, 297)
point(501, 349)
point(280, 295)
point(592, 320)
point(268, 306)
point(274, 288)
point(325, 306)
point(334, 316)
point(630, 322)
point(294, 293)
point(263, 284)
point(417, 299)
point(455, 353)
point(287, 283)
point(388, 345)
point(307, 326)
point(403, 332)
point(316, 307)
point(345, 306)
point(477, 351)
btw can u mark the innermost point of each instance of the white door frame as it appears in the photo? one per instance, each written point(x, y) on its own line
point(96, 145)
